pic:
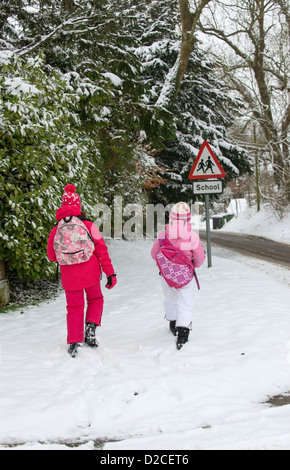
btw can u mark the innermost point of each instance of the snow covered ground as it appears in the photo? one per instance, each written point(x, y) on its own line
point(248, 221)
point(136, 391)
point(264, 223)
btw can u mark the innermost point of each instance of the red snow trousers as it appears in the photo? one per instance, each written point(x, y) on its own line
point(76, 307)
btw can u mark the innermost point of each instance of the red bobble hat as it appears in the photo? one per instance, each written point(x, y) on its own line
point(70, 198)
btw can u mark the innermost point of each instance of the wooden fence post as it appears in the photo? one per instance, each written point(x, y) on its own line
point(4, 286)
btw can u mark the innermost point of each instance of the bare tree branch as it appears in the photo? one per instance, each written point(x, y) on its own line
point(250, 36)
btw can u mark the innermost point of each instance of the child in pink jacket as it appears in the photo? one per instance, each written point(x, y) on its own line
point(84, 277)
point(179, 303)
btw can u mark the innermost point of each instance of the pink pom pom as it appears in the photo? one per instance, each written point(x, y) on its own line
point(70, 188)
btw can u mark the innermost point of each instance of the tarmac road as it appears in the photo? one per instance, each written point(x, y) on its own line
point(249, 245)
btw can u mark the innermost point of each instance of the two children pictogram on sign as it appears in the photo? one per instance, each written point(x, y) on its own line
point(209, 165)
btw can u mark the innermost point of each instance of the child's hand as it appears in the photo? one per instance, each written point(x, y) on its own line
point(112, 281)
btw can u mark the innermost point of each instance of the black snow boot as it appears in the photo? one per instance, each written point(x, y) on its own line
point(172, 327)
point(73, 349)
point(182, 337)
point(90, 337)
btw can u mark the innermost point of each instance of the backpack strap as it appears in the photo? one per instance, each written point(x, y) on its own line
point(82, 219)
point(162, 240)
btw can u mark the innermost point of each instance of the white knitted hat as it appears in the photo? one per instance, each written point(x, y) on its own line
point(180, 211)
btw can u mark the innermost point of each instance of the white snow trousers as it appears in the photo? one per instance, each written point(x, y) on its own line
point(179, 303)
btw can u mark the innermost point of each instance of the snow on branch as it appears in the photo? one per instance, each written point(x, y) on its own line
point(61, 28)
point(168, 90)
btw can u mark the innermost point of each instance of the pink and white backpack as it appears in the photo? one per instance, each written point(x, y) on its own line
point(72, 243)
point(174, 266)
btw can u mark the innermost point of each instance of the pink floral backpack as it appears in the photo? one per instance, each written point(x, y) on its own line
point(174, 266)
point(72, 243)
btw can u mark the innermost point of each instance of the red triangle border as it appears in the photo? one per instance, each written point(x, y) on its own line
point(196, 162)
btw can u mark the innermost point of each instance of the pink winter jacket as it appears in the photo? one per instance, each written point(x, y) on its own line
point(84, 275)
point(182, 237)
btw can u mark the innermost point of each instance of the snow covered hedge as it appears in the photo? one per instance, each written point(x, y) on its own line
point(42, 147)
point(58, 128)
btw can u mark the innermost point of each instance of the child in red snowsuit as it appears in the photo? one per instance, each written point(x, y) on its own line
point(84, 277)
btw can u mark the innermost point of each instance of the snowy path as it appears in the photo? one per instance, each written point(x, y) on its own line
point(136, 388)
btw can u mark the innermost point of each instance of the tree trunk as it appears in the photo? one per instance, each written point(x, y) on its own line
point(257, 59)
point(4, 286)
point(189, 22)
point(257, 172)
point(174, 79)
point(285, 7)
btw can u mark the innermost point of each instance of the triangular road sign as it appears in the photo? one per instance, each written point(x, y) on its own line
point(206, 165)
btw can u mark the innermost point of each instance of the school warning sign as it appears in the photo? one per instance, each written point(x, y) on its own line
point(206, 165)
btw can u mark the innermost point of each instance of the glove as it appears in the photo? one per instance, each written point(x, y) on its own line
point(112, 281)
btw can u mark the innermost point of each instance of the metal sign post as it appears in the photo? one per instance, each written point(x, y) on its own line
point(207, 168)
point(208, 236)
point(205, 188)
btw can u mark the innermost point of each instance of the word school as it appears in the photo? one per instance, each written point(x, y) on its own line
point(208, 187)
